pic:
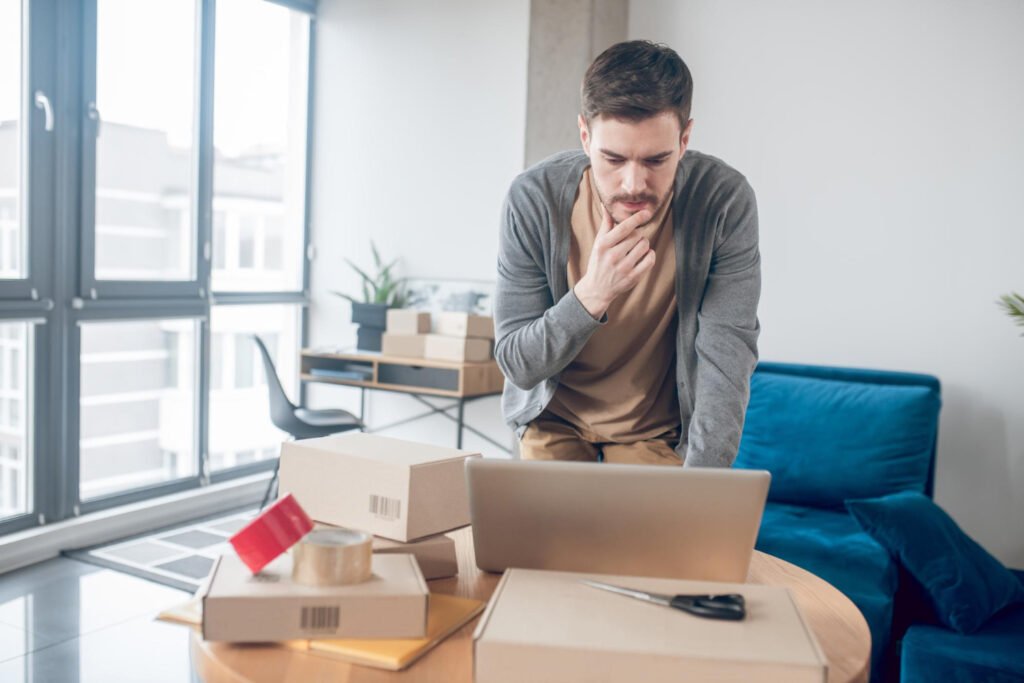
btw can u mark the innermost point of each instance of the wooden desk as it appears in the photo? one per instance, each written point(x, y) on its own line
point(416, 377)
point(837, 623)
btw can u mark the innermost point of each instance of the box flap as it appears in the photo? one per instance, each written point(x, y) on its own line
point(555, 610)
point(380, 449)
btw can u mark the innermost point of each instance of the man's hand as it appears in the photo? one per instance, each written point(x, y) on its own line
point(619, 259)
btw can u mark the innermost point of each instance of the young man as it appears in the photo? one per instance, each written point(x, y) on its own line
point(628, 281)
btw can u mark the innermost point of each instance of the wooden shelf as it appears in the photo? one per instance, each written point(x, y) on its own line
point(370, 370)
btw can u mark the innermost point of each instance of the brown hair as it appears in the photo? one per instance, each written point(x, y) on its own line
point(636, 80)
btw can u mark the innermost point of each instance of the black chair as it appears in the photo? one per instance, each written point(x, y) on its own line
point(300, 423)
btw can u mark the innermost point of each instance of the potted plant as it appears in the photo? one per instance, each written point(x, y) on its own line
point(380, 292)
point(1013, 304)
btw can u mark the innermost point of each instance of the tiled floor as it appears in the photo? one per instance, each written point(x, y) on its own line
point(64, 621)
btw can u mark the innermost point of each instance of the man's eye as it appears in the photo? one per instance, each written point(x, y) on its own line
point(655, 162)
point(615, 162)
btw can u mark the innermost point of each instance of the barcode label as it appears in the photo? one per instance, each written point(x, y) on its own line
point(389, 508)
point(320, 618)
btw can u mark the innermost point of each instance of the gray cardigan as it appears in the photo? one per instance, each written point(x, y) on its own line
point(540, 325)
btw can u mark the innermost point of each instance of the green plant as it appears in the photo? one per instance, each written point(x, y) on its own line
point(382, 288)
point(1013, 304)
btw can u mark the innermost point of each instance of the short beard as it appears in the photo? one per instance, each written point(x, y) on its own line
point(658, 205)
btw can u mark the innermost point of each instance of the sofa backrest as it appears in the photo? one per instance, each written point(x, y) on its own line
point(828, 434)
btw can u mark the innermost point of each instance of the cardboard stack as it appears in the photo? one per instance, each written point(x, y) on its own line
point(460, 337)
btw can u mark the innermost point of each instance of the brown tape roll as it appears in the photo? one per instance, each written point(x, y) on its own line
point(332, 557)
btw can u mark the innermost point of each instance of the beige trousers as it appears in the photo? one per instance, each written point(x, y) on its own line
point(549, 437)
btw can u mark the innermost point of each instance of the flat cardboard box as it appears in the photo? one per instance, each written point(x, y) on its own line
point(547, 626)
point(240, 607)
point(409, 345)
point(401, 490)
point(407, 321)
point(453, 324)
point(434, 554)
point(440, 347)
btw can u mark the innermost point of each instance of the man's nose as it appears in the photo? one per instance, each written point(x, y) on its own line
point(634, 179)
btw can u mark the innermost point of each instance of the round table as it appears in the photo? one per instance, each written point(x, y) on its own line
point(837, 623)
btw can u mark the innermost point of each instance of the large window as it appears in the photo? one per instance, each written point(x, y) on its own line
point(143, 120)
point(138, 404)
point(12, 261)
point(15, 417)
point(259, 134)
point(153, 190)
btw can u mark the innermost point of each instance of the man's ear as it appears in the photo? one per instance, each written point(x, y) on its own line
point(684, 139)
point(584, 134)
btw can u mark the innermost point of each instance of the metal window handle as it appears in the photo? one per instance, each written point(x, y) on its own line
point(43, 102)
point(94, 116)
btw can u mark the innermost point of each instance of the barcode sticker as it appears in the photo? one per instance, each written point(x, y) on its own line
point(389, 508)
point(320, 618)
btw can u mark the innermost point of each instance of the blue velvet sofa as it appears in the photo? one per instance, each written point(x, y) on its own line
point(830, 435)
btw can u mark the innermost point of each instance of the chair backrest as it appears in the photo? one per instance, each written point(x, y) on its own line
point(282, 411)
point(829, 433)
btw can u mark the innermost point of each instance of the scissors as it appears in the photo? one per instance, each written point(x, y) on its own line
point(725, 606)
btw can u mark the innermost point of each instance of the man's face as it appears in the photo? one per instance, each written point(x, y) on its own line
point(633, 163)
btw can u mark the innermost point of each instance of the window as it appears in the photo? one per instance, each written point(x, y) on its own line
point(138, 404)
point(12, 258)
point(189, 223)
point(259, 133)
point(143, 122)
point(15, 427)
point(240, 429)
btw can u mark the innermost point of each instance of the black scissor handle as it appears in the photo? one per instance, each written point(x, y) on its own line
point(731, 607)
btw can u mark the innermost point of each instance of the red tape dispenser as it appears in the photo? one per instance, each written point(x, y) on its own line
point(271, 533)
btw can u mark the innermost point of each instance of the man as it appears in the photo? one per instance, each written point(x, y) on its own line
point(628, 281)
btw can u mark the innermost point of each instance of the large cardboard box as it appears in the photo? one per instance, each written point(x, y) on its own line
point(547, 626)
point(401, 490)
point(240, 607)
point(452, 324)
point(460, 349)
point(407, 321)
point(409, 345)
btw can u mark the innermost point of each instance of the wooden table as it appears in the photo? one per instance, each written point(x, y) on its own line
point(837, 623)
point(460, 381)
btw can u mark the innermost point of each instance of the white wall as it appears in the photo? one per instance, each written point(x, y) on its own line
point(420, 114)
point(884, 142)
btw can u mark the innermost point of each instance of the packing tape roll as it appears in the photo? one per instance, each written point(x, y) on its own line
point(332, 557)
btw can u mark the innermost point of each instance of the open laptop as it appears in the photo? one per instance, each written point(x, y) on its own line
point(639, 520)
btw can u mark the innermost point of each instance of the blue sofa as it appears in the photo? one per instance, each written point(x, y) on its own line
point(829, 435)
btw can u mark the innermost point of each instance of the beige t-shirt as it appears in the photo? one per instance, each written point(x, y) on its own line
point(622, 384)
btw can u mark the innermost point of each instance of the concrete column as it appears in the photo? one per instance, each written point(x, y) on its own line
point(565, 36)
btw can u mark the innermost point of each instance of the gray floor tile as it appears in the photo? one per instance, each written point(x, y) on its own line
point(193, 538)
point(142, 552)
point(28, 579)
point(193, 566)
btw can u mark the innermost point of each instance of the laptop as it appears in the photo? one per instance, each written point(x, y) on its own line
point(638, 520)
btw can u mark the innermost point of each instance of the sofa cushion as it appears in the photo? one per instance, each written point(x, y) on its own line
point(965, 584)
point(990, 655)
point(826, 440)
point(832, 545)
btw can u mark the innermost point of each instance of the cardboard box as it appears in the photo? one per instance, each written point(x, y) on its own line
point(464, 325)
point(547, 626)
point(410, 345)
point(407, 321)
point(435, 554)
point(401, 490)
point(239, 607)
point(440, 347)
